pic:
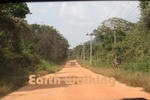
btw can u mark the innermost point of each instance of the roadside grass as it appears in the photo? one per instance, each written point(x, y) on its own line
point(47, 68)
point(5, 89)
point(136, 79)
point(13, 83)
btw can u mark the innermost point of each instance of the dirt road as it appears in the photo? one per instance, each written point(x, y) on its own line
point(77, 83)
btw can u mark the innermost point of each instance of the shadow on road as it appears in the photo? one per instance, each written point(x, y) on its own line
point(133, 99)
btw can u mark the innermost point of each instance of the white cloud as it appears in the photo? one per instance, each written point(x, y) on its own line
point(75, 19)
point(41, 8)
point(51, 5)
point(77, 10)
point(85, 14)
point(91, 10)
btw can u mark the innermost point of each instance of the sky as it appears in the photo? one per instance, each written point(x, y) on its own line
point(75, 19)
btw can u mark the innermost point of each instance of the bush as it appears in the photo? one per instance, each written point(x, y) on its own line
point(4, 88)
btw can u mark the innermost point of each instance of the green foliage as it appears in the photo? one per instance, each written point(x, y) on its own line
point(19, 10)
point(145, 13)
point(46, 65)
point(132, 45)
point(26, 49)
point(47, 42)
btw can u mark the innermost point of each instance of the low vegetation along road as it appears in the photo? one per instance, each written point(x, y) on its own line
point(74, 82)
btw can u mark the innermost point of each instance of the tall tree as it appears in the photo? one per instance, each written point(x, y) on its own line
point(19, 10)
point(145, 13)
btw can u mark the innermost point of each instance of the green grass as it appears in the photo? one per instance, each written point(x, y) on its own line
point(5, 89)
point(47, 67)
point(20, 79)
point(136, 78)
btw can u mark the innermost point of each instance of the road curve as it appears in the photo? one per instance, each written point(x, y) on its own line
point(78, 83)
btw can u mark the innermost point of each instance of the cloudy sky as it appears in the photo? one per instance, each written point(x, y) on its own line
point(75, 19)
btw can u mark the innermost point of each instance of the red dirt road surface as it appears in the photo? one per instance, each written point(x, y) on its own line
point(77, 83)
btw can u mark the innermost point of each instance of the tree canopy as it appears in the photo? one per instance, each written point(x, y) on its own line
point(25, 48)
point(131, 46)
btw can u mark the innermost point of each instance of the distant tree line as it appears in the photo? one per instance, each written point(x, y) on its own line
point(132, 46)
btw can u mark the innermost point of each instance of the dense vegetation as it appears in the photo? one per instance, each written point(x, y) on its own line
point(132, 42)
point(24, 48)
point(132, 46)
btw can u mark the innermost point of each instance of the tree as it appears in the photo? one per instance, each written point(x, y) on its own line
point(105, 32)
point(47, 42)
point(19, 10)
point(145, 13)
